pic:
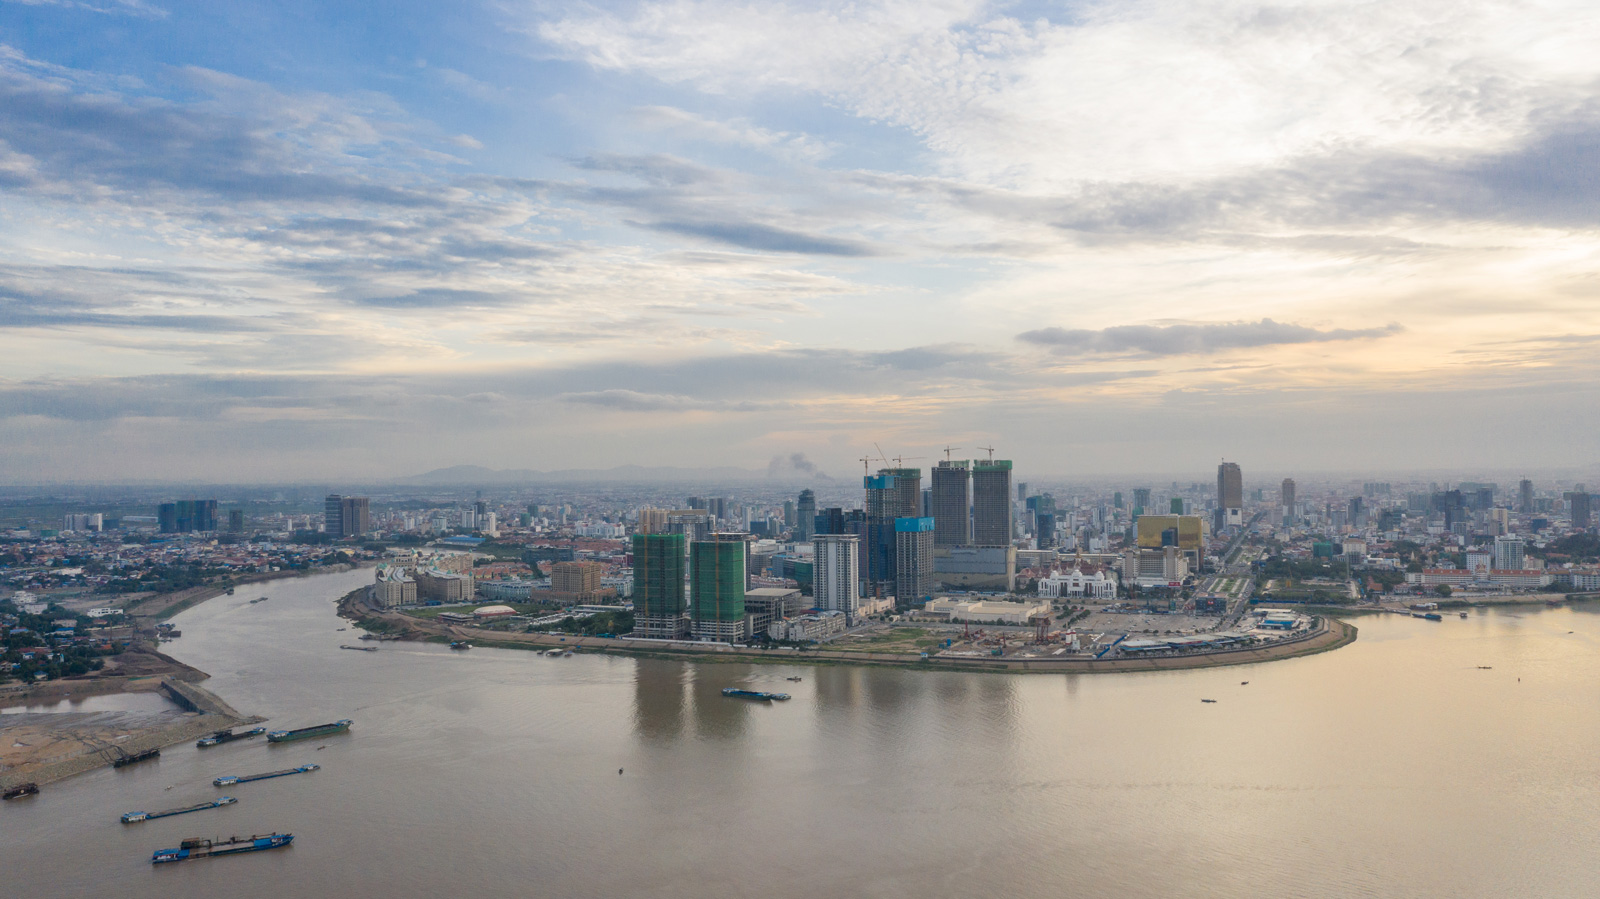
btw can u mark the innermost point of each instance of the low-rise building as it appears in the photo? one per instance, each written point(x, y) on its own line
point(1101, 584)
point(444, 586)
point(985, 611)
point(808, 628)
point(392, 587)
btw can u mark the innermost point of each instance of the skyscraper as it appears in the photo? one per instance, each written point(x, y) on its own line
point(1141, 500)
point(716, 587)
point(952, 503)
point(1578, 504)
point(187, 516)
point(659, 600)
point(892, 493)
point(236, 521)
point(1230, 494)
point(346, 516)
point(1525, 496)
point(913, 566)
point(333, 515)
point(805, 523)
point(835, 575)
point(1286, 500)
point(991, 502)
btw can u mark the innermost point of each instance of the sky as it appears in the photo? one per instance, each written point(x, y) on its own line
point(324, 240)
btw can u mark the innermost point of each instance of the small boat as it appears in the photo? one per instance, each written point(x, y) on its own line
point(753, 694)
point(552, 652)
point(198, 848)
point(230, 591)
point(794, 678)
point(1485, 667)
point(21, 790)
point(360, 648)
point(460, 644)
point(254, 601)
point(1243, 682)
point(1208, 700)
point(1433, 616)
point(1463, 614)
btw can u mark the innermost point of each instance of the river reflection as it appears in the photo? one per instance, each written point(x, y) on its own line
point(1448, 758)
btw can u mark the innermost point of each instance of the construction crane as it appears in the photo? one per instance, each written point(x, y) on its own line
point(900, 461)
point(989, 450)
point(948, 450)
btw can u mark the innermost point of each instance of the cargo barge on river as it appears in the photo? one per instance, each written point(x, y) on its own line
point(320, 730)
point(136, 817)
point(228, 736)
point(126, 759)
point(198, 848)
point(228, 780)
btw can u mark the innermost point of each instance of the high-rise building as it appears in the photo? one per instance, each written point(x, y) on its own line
point(716, 587)
point(333, 515)
point(1141, 500)
point(835, 573)
point(235, 521)
point(579, 581)
point(1578, 507)
point(1509, 553)
point(356, 515)
point(660, 602)
point(1525, 496)
point(187, 516)
point(913, 565)
point(1175, 505)
point(952, 503)
point(805, 523)
point(1357, 510)
point(1286, 500)
point(1230, 494)
point(991, 502)
point(891, 494)
point(828, 521)
point(346, 516)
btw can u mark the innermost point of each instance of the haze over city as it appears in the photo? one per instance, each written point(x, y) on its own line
point(309, 240)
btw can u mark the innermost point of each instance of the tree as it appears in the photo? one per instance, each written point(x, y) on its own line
point(1442, 590)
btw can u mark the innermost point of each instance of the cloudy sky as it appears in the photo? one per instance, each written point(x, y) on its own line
point(313, 239)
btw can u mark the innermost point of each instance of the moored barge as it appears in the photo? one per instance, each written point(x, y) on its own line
point(198, 848)
point(320, 730)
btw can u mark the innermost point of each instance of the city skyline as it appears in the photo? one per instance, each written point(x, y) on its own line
point(247, 244)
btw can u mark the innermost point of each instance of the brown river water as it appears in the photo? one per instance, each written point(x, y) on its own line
point(1391, 767)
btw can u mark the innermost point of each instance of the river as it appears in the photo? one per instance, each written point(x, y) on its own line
point(1391, 767)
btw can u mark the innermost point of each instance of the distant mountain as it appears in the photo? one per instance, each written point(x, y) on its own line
point(471, 475)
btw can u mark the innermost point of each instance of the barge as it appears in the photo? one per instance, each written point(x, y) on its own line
point(126, 759)
point(228, 780)
point(198, 848)
point(21, 790)
point(320, 730)
point(228, 736)
point(460, 644)
point(136, 817)
point(753, 694)
point(359, 648)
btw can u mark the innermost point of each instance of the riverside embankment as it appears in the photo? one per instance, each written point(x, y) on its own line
point(1326, 634)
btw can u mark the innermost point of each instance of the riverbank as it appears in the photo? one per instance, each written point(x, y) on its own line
point(1327, 634)
point(44, 747)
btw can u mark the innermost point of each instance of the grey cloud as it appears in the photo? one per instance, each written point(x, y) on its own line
point(754, 236)
point(62, 308)
point(1193, 339)
point(658, 169)
point(436, 298)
